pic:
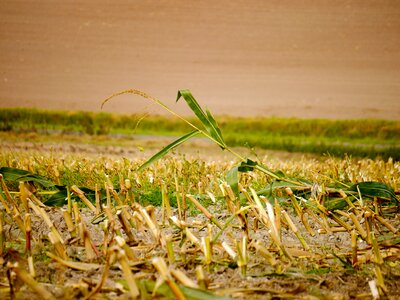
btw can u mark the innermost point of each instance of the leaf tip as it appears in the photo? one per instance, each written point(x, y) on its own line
point(179, 95)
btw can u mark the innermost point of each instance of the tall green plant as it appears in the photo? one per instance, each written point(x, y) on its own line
point(210, 130)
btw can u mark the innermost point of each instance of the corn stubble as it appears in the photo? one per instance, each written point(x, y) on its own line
point(253, 238)
point(149, 250)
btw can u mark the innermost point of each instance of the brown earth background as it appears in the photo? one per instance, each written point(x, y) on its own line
point(334, 59)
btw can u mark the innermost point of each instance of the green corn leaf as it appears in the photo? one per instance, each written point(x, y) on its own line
point(247, 166)
point(16, 175)
point(168, 148)
point(12, 174)
point(232, 179)
point(215, 125)
point(207, 120)
point(58, 199)
point(374, 189)
point(250, 165)
point(333, 204)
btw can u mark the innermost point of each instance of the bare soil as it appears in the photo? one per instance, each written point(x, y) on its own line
point(334, 59)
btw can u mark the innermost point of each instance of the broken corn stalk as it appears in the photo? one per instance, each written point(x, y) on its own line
point(378, 260)
point(201, 277)
point(182, 278)
point(28, 247)
point(25, 277)
point(204, 211)
point(357, 225)
point(81, 266)
point(23, 196)
point(295, 230)
point(165, 206)
point(125, 226)
point(269, 221)
point(162, 269)
point(354, 247)
point(82, 196)
point(264, 253)
point(206, 248)
point(170, 250)
point(153, 226)
point(123, 261)
point(128, 250)
point(58, 246)
point(192, 237)
point(40, 212)
point(229, 250)
point(242, 257)
point(70, 223)
point(90, 249)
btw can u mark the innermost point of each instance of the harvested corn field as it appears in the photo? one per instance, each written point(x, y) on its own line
point(194, 224)
point(177, 229)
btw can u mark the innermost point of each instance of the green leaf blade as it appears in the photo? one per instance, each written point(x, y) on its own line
point(374, 189)
point(232, 178)
point(58, 199)
point(168, 148)
point(206, 119)
point(217, 132)
point(16, 175)
point(247, 166)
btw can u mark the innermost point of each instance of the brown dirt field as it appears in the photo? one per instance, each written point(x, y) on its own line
point(334, 59)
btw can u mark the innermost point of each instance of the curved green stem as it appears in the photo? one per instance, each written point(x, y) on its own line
point(157, 101)
point(205, 133)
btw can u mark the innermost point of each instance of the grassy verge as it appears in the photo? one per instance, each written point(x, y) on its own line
point(362, 138)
